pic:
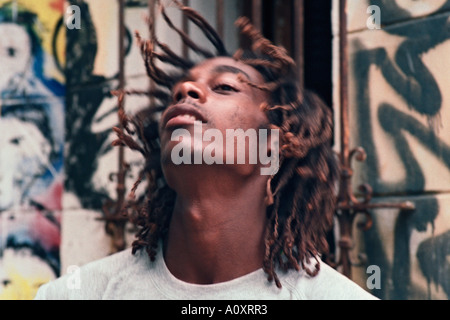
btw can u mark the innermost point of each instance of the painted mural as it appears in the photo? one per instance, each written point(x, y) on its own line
point(400, 77)
point(31, 144)
point(91, 110)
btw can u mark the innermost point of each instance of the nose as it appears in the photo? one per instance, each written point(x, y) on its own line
point(190, 89)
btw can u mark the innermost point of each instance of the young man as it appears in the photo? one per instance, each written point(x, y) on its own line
point(217, 224)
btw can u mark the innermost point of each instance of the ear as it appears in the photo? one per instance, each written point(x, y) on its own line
point(269, 195)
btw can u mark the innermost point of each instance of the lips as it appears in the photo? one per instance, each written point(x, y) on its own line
point(182, 114)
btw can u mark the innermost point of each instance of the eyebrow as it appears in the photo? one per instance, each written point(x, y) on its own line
point(231, 69)
point(218, 69)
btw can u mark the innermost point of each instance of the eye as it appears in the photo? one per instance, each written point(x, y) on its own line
point(11, 51)
point(225, 88)
point(16, 141)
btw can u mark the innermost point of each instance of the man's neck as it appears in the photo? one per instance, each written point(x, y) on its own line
point(217, 230)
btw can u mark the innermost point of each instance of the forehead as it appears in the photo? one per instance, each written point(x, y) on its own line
point(226, 64)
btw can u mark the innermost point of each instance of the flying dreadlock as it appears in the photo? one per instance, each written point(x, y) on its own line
point(303, 188)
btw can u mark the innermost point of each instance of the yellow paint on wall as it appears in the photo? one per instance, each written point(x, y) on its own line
point(22, 288)
point(49, 13)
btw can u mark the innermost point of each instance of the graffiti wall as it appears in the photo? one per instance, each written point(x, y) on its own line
point(32, 92)
point(400, 114)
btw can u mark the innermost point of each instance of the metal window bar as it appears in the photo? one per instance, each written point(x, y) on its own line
point(185, 28)
point(348, 206)
point(298, 31)
point(112, 210)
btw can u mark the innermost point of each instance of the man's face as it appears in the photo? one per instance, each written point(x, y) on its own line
point(213, 94)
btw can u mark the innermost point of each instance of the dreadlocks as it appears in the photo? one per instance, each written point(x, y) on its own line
point(303, 188)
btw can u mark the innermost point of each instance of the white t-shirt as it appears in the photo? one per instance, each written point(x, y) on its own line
point(123, 276)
